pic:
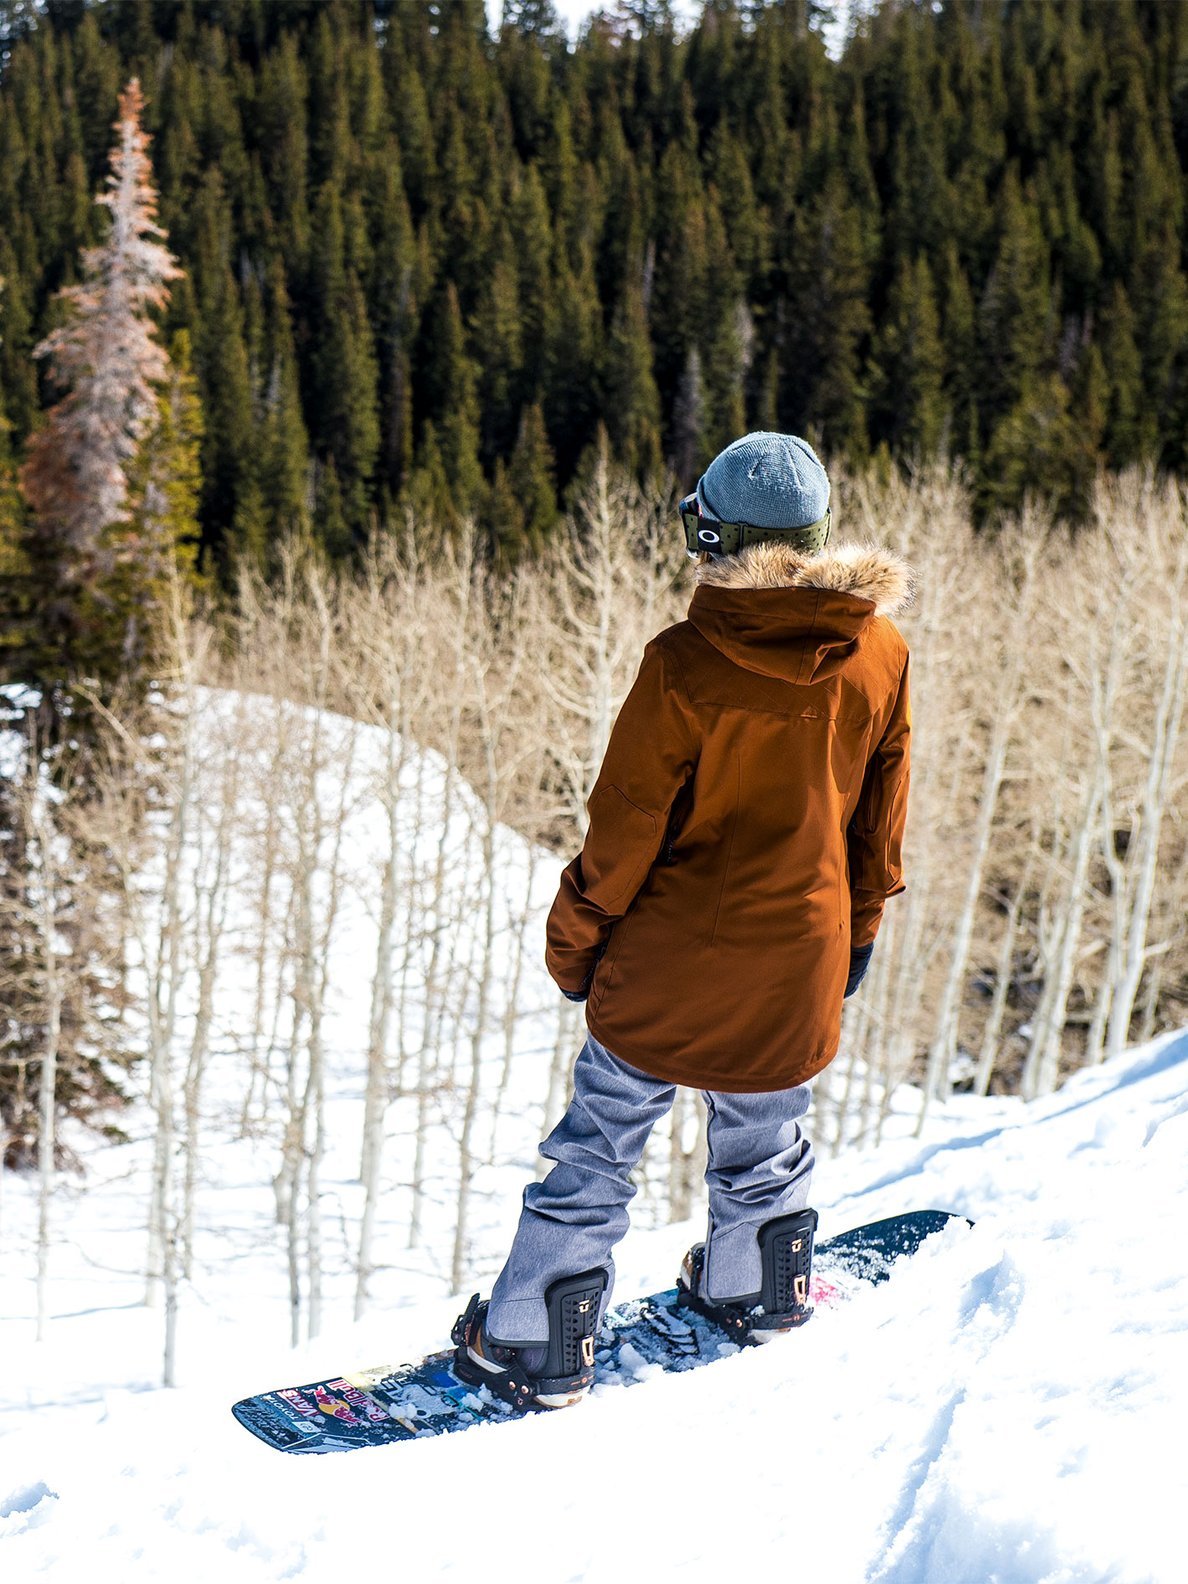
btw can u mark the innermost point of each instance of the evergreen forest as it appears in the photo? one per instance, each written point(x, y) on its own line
point(425, 260)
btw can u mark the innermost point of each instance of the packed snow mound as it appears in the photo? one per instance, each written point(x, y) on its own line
point(1007, 1409)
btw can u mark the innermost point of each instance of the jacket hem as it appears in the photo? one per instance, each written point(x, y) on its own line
point(724, 1080)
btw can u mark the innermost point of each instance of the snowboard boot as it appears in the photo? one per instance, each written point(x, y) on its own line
point(553, 1374)
point(786, 1246)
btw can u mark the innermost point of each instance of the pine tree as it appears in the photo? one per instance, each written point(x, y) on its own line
point(160, 540)
point(1130, 429)
point(909, 365)
point(75, 475)
point(285, 462)
point(111, 483)
point(429, 496)
point(532, 231)
point(499, 352)
point(215, 315)
point(455, 409)
point(530, 478)
point(1013, 318)
point(503, 514)
point(687, 433)
point(1089, 395)
point(959, 336)
point(631, 400)
point(828, 321)
point(1038, 449)
point(574, 364)
point(1158, 287)
point(15, 585)
point(344, 369)
point(18, 372)
point(331, 526)
point(391, 297)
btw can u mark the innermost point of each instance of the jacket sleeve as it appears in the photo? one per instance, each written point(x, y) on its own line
point(874, 838)
point(651, 753)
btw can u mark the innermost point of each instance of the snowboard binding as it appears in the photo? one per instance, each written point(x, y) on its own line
point(555, 1374)
point(786, 1246)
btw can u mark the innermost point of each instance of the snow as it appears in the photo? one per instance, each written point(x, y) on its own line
point(1007, 1409)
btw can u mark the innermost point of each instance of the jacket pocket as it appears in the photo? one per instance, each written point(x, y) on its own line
point(676, 820)
point(618, 849)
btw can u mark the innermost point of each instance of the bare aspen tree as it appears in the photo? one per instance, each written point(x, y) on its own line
point(1107, 692)
point(521, 925)
point(316, 919)
point(301, 794)
point(211, 922)
point(928, 521)
point(992, 1033)
point(1022, 553)
point(269, 870)
point(155, 915)
point(1161, 757)
point(1138, 713)
point(262, 630)
point(392, 633)
point(607, 598)
point(216, 813)
point(42, 838)
point(1094, 658)
point(871, 1037)
point(460, 567)
point(466, 1162)
point(1174, 926)
point(501, 659)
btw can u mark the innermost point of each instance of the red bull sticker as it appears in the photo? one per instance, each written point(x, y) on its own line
point(334, 1407)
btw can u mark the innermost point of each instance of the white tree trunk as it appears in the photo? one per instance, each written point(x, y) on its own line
point(45, 836)
point(992, 1035)
point(1042, 1066)
point(1168, 722)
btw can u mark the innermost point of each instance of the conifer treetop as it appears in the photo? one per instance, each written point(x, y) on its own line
point(107, 352)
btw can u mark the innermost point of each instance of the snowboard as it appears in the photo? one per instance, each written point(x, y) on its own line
point(375, 1407)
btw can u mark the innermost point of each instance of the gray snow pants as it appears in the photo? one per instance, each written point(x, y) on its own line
point(759, 1167)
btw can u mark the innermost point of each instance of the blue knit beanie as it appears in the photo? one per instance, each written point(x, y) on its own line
point(768, 480)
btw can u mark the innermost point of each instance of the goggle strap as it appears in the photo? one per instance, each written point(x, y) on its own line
point(707, 534)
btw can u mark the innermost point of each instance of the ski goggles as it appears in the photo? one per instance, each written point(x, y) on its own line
point(705, 535)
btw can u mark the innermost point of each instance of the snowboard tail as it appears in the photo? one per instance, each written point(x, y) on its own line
point(375, 1407)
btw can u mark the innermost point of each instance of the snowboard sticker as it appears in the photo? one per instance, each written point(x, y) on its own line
point(375, 1407)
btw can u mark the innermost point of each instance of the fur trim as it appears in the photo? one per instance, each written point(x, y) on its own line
point(868, 571)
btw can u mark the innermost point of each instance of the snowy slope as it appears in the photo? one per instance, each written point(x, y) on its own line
point(1008, 1409)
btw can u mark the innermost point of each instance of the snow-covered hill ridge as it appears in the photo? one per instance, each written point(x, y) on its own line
point(1008, 1409)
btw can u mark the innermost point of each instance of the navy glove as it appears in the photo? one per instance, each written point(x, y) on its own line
point(859, 963)
point(577, 995)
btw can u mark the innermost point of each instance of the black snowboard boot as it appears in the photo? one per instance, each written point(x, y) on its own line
point(555, 1374)
point(786, 1245)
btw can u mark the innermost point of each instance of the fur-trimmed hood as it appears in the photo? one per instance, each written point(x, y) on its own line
point(867, 571)
point(781, 613)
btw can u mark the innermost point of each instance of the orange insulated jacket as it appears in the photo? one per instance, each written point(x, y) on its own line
point(747, 823)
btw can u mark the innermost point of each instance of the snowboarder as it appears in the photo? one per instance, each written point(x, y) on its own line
point(744, 832)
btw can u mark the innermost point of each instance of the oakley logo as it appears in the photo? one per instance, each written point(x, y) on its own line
point(708, 536)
